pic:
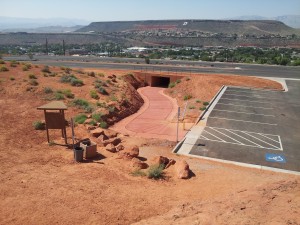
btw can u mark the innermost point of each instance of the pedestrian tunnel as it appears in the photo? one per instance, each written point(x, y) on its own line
point(158, 81)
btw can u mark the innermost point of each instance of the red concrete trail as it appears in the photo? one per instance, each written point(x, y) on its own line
point(154, 119)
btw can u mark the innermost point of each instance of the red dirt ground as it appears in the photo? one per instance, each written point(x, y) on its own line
point(41, 184)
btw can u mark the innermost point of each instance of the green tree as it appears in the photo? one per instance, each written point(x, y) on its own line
point(147, 60)
point(30, 56)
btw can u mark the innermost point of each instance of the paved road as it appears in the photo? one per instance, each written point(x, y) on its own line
point(255, 127)
point(168, 65)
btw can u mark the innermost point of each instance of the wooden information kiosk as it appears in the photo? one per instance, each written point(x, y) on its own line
point(55, 120)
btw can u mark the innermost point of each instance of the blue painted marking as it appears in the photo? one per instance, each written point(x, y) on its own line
point(275, 158)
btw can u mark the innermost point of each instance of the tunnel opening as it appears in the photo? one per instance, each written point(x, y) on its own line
point(160, 81)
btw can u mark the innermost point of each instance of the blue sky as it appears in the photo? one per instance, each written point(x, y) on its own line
point(112, 10)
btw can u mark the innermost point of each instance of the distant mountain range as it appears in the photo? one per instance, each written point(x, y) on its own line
point(12, 24)
point(55, 25)
point(226, 33)
point(290, 20)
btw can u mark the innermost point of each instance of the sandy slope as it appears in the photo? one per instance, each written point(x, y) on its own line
point(41, 184)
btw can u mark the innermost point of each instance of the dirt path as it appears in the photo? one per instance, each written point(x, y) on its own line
point(154, 119)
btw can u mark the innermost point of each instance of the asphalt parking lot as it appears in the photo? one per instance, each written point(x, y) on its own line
point(256, 127)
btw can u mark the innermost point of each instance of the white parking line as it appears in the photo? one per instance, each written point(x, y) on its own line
point(260, 139)
point(214, 136)
point(268, 138)
point(245, 106)
point(243, 100)
point(244, 139)
point(246, 121)
point(227, 136)
point(250, 132)
point(242, 112)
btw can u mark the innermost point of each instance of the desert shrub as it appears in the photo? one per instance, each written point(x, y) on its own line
point(103, 124)
point(111, 109)
point(202, 108)
point(52, 74)
point(198, 101)
point(38, 125)
point(68, 93)
point(89, 109)
point(83, 104)
point(59, 96)
point(156, 171)
point(3, 69)
point(67, 78)
point(26, 67)
point(33, 82)
point(48, 90)
point(102, 91)
point(80, 102)
point(93, 123)
point(205, 103)
point(187, 79)
point(191, 107)
point(79, 71)
point(187, 97)
point(68, 70)
point(108, 82)
point(178, 81)
point(81, 118)
point(14, 63)
point(94, 94)
point(97, 117)
point(76, 82)
point(101, 74)
point(32, 76)
point(98, 81)
point(91, 74)
point(12, 78)
point(101, 104)
point(114, 98)
point(138, 173)
point(2, 61)
point(46, 69)
point(171, 85)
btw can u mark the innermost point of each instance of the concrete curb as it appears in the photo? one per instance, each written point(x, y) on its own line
point(189, 134)
point(253, 166)
point(211, 102)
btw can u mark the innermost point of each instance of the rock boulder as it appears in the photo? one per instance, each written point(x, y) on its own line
point(136, 163)
point(182, 169)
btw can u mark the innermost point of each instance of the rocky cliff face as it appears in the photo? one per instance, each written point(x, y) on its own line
point(130, 103)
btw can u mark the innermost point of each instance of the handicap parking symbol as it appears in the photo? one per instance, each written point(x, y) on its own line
point(275, 158)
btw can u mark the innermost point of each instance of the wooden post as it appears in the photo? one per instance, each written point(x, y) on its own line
point(46, 128)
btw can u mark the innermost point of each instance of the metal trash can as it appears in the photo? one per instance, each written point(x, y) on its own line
point(78, 154)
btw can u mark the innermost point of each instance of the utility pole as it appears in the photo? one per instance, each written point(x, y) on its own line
point(64, 47)
point(47, 51)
